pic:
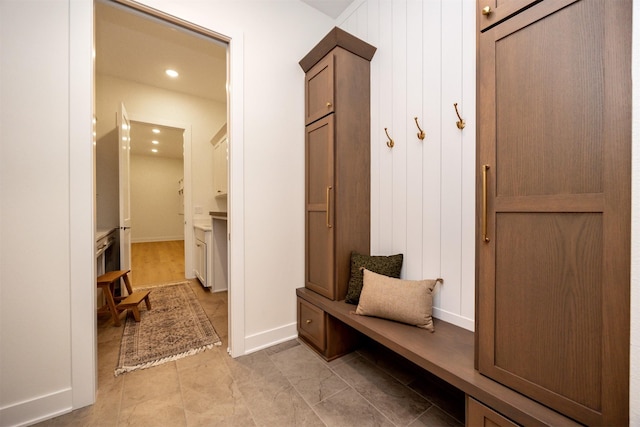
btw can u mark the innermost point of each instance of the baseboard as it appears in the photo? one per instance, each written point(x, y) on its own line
point(453, 318)
point(156, 239)
point(265, 339)
point(38, 409)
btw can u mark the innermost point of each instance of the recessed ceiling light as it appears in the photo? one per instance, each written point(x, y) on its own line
point(154, 150)
point(155, 130)
point(171, 73)
point(154, 142)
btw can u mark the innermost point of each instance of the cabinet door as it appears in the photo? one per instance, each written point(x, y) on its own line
point(319, 207)
point(319, 90)
point(554, 153)
point(220, 162)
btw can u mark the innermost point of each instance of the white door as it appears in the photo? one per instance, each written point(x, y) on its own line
point(124, 127)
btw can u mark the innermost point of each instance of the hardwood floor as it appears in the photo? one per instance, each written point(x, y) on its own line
point(154, 263)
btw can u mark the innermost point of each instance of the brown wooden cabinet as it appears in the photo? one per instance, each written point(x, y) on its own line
point(337, 162)
point(554, 150)
point(337, 158)
point(479, 415)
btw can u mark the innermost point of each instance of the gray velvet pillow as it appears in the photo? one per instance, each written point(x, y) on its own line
point(386, 265)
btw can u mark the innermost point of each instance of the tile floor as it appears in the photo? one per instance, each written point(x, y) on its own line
point(284, 385)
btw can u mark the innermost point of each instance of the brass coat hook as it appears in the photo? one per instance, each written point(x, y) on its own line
point(421, 133)
point(460, 123)
point(390, 142)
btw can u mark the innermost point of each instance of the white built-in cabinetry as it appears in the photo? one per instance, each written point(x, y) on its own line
point(203, 243)
point(422, 190)
point(220, 162)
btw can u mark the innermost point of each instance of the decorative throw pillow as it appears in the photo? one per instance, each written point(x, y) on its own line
point(406, 301)
point(386, 265)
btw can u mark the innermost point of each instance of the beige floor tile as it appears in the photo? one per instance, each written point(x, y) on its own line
point(435, 417)
point(154, 413)
point(156, 383)
point(397, 402)
point(310, 377)
point(349, 408)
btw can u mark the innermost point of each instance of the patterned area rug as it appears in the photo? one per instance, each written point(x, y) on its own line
point(176, 327)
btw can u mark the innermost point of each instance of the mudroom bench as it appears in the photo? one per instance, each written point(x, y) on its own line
point(448, 353)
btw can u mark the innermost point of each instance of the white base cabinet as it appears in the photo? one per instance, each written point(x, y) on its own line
point(202, 260)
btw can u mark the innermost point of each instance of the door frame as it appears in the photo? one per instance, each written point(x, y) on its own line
point(235, 200)
point(82, 194)
point(186, 167)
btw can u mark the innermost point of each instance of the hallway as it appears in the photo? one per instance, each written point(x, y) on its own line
point(284, 385)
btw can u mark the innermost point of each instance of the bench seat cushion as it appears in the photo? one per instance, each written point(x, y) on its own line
point(406, 301)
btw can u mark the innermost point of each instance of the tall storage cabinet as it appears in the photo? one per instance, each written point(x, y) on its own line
point(337, 162)
point(554, 179)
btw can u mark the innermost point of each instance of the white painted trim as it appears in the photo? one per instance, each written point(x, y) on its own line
point(37, 409)
point(269, 338)
point(188, 187)
point(82, 246)
point(453, 318)
point(159, 239)
point(235, 113)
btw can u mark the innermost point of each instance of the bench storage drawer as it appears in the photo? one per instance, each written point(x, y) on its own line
point(481, 415)
point(311, 324)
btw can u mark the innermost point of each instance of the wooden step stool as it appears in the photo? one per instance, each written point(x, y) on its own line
point(132, 301)
point(107, 283)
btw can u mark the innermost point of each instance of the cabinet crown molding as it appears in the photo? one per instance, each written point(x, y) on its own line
point(337, 37)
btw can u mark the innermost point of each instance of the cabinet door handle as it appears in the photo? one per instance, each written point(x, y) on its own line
point(329, 206)
point(485, 237)
point(308, 321)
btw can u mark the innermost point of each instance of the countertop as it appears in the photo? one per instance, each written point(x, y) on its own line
point(218, 215)
point(103, 232)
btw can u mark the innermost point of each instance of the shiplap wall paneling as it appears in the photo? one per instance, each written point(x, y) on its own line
point(398, 129)
point(422, 201)
point(448, 298)
point(384, 228)
point(467, 301)
point(414, 146)
point(432, 145)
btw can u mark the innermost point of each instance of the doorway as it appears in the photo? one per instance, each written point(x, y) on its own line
point(157, 170)
point(140, 92)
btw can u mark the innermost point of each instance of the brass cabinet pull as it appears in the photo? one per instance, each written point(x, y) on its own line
point(329, 105)
point(485, 237)
point(329, 206)
point(308, 321)
point(486, 11)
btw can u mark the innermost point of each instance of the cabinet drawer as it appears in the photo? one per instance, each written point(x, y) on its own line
point(481, 415)
point(311, 324)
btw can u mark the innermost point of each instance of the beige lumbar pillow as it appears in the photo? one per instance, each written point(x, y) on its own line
point(406, 301)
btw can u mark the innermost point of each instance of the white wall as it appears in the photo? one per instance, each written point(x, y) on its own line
point(276, 35)
point(203, 116)
point(47, 322)
point(155, 203)
point(45, 180)
point(422, 192)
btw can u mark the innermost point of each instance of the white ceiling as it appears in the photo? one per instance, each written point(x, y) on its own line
point(333, 8)
point(170, 140)
point(136, 47)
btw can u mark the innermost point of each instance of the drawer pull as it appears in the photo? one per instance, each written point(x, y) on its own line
point(308, 321)
point(329, 105)
point(486, 11)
